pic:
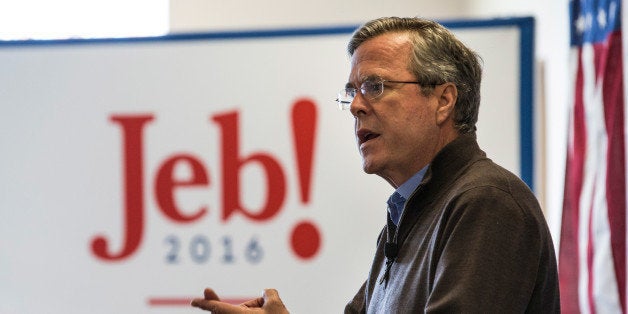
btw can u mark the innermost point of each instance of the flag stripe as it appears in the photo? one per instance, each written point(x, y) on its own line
point(589, 273)
point(616, 170)
point(573, 184)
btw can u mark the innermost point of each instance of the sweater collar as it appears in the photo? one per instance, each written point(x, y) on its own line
point(452, 159)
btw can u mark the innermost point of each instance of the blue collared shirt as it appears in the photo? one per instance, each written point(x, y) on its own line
point(396, 203)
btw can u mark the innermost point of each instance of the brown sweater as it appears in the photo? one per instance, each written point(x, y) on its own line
point(472, 239)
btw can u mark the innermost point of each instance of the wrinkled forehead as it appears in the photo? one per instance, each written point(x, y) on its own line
point(381, 56)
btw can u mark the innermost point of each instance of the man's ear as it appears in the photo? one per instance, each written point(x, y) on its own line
point(447, 94)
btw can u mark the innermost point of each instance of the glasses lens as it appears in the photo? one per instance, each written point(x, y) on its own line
point(372, 89)
point(345, 97)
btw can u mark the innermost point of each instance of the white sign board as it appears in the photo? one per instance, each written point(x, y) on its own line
point(136, 172)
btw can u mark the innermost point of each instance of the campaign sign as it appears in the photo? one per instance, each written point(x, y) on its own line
point(136, 172)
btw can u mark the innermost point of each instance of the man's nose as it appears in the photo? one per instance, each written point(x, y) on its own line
point(359, 105)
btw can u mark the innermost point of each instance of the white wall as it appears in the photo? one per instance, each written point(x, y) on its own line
point(34, 19)
point(551, 53)
point(197, 15)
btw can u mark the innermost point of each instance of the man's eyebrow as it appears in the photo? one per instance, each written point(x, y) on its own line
point(371, 77)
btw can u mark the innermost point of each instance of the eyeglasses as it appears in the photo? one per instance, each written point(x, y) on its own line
point(370, 89)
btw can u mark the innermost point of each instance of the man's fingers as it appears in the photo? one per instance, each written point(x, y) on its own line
point(203, 304)
point(216, 307)
point(257, 302)
point(271, 294)
point(272, 302)
point(268, 303)
point(210, 294)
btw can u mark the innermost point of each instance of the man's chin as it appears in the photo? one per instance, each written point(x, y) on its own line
point(368, 167)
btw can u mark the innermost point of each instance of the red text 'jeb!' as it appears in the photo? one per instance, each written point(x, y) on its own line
point(132, 129)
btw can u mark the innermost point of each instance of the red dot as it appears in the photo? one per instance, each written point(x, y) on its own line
point(305, 240)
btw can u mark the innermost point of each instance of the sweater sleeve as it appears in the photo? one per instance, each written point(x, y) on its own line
point(489, 250)
point(358, 303)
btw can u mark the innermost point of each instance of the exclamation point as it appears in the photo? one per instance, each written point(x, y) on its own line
point(305, 237)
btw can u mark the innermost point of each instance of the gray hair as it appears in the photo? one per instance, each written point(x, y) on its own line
point(438, 57)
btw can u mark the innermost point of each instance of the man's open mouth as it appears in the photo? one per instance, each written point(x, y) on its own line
point(366, 135)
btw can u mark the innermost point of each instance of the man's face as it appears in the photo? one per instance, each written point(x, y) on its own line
point(396, 133)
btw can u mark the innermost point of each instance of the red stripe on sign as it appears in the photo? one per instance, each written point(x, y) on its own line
point(180, 301)
point(169, 301)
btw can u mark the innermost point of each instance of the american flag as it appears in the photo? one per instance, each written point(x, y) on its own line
point(592, 257)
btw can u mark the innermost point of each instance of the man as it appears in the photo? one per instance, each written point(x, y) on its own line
point(463, 234)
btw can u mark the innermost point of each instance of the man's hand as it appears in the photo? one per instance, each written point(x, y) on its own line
point(268, 303)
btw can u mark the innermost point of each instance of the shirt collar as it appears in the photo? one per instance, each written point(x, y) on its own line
point(396, 205)
point(406, 189)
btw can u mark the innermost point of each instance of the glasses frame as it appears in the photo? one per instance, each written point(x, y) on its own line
point(344, 104)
